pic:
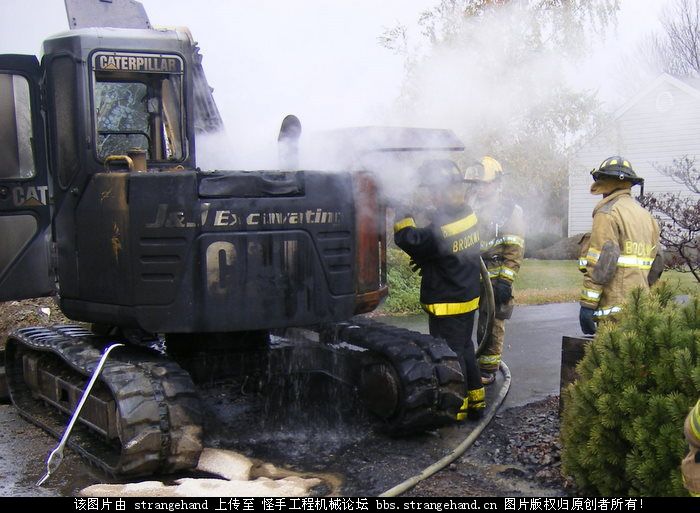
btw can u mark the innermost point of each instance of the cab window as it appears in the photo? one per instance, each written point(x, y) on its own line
point(122, 118)
point(15, 128)
point(138, 109)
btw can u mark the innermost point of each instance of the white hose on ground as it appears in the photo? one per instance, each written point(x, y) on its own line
point(461, 448)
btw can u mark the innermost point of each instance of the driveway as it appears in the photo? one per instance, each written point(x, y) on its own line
point(532, 348)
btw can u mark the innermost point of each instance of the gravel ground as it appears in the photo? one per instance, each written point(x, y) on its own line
point(518, 454)
point(515, 462)
point(29, 312)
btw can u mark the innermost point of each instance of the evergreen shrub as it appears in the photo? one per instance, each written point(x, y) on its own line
point(622, 425)
point(404, 284)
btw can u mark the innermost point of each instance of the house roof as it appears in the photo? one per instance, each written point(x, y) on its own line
point(690, 86)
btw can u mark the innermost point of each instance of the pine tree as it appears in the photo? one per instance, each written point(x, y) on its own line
point(622, 427)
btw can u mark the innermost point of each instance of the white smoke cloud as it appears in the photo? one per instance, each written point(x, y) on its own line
point(616, 67)
point(316, 59)
point(505, 95)
point(320, 60)
point(489, 78)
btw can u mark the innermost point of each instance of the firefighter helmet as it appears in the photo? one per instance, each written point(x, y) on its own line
point(486, 171)
point(617, 167)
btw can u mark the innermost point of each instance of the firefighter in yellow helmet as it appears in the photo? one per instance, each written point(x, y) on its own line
point(502, 229)
point(623, 246)
point(447, 253)
point(690, 467)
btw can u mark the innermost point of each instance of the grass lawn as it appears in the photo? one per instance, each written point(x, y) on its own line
point(539, 282)
point(558, 281)
point(547, 281)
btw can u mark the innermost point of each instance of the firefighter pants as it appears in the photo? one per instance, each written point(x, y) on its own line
point(490, 357)
point(690, 470)
point(457, 331)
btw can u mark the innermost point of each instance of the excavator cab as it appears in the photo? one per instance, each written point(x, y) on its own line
point(108, 103)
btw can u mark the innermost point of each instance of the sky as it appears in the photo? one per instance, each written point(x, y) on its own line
point(636, 20)
point(317, 59)
point(265, 59)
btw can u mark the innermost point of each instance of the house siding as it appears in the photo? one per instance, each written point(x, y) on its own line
point(650, 132)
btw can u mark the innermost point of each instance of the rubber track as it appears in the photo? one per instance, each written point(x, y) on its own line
point(160, 416)
point(431, 380)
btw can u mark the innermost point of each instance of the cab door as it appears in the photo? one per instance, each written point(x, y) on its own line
point(25, 222)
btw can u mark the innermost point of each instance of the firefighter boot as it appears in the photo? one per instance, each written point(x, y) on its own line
point(488, 377)
point(462, 413)
point(476, 403)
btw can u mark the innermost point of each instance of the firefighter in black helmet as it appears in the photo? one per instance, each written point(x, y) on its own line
point(623, 250)
point(447, 253)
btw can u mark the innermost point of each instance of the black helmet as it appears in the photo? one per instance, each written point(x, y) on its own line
point(439, 172)
point(617, 167)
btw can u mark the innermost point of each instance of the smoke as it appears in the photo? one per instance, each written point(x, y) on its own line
point(625, 61)
point(321, 61)
point(505, 80)
point(501, 80)
point(266, 59)
point(323, 65)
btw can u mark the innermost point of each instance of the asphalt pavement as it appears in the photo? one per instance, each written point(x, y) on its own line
point(532, 349)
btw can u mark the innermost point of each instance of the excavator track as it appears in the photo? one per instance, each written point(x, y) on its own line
point(419, 384)
point(143, 417)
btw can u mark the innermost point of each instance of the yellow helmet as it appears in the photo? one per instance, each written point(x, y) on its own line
point(486, 171)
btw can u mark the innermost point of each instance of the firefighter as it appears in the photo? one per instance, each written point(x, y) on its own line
point(502, 229)
point(623, 249)
point(446, 251)
point(690, 467)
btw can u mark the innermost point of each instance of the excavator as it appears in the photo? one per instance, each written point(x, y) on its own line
point(103, 206)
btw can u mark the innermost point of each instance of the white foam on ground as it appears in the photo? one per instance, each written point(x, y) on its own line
point(235, 470)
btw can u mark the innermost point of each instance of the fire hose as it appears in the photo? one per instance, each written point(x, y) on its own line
point(490, 310)
point(461, 448)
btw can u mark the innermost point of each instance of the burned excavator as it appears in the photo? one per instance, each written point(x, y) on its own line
point(103, 206)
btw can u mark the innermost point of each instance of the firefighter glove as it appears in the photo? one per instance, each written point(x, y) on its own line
point(585, 318)
point(502, 291)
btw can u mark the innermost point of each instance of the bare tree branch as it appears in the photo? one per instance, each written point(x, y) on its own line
point(678, 47)
point(679, 216)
